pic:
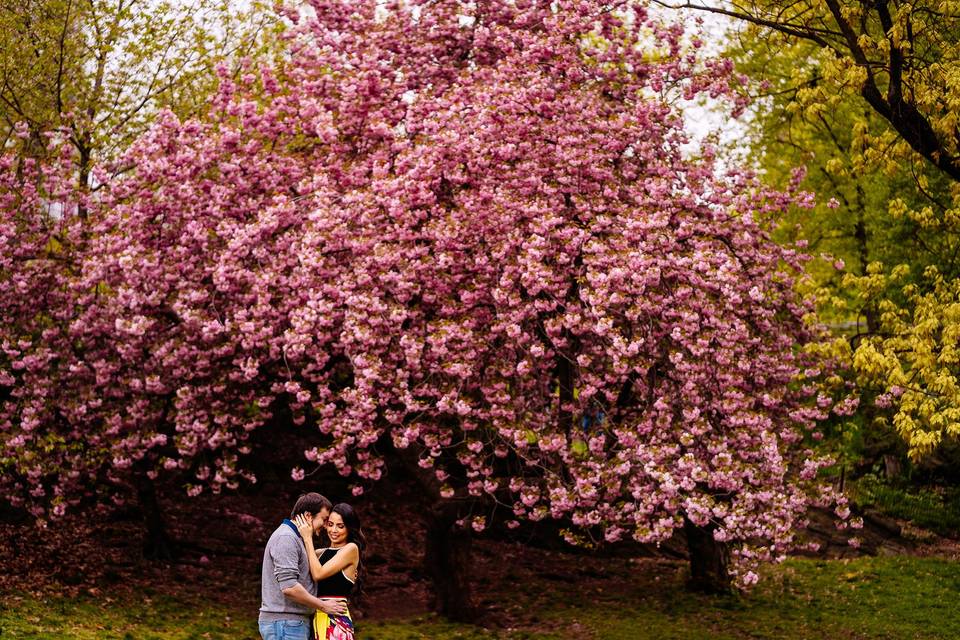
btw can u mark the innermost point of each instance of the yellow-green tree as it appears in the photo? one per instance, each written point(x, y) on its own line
point(99, 69)
point(867, 95)
point(900, 58)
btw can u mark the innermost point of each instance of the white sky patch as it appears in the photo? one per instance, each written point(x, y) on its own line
point(708, 117)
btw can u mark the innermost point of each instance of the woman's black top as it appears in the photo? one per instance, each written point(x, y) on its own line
point(336, 586)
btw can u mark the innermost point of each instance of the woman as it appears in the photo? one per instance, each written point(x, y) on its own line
point(336, 568)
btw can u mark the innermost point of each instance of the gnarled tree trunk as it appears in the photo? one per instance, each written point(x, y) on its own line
point(157, 543)
point(447, 563)
point(447, 556)
point(709, 560)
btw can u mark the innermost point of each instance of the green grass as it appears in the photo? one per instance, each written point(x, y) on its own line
point(895, 598)
point(429, 627)
point(158, 617)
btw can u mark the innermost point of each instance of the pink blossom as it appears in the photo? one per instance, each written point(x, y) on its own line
point(498, 256)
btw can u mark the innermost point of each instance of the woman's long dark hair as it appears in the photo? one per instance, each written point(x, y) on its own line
point(354, 534)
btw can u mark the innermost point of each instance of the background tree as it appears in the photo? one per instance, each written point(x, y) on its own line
point(39, 211)
point(873, 95)
point(102, 68)
point(157, 364)
point(851, 224)
point(899, 58)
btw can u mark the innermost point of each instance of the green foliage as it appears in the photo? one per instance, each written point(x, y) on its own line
point(888, 208)
point(798, 122)
point(102, 68)
point(933, 508)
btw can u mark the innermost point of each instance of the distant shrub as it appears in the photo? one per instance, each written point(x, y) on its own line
point(935, 508)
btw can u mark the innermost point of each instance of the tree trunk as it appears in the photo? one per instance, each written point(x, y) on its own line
point(448, 547)
point(447, 563)
point(892, 467)
point(709, 560)
point(83, 181)
point(157, 543)
point(863, 253)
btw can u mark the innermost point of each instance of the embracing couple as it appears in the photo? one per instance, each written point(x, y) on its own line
point(305, 590)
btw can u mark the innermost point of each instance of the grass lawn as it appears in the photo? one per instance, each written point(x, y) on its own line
point(894, 598)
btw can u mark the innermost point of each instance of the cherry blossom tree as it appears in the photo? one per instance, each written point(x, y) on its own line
point(467, 236)
point(549, 305)
point(148, 343)
point(41, 460)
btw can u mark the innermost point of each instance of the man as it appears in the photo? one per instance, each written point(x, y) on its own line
point(289, 594)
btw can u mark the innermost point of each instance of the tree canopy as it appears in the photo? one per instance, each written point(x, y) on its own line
point(463, 232)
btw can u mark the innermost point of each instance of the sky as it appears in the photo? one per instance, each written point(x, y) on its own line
point(708, 118)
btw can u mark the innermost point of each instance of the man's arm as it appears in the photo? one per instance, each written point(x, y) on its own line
point(300, 595)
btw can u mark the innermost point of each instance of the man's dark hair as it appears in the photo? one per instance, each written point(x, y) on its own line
point(312, 503)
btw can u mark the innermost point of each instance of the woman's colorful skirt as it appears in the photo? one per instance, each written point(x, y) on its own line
point(327, 627)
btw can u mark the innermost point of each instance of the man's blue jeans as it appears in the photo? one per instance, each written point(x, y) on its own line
point(285, 630)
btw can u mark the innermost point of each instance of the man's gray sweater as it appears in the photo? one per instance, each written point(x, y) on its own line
point(284, 565)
